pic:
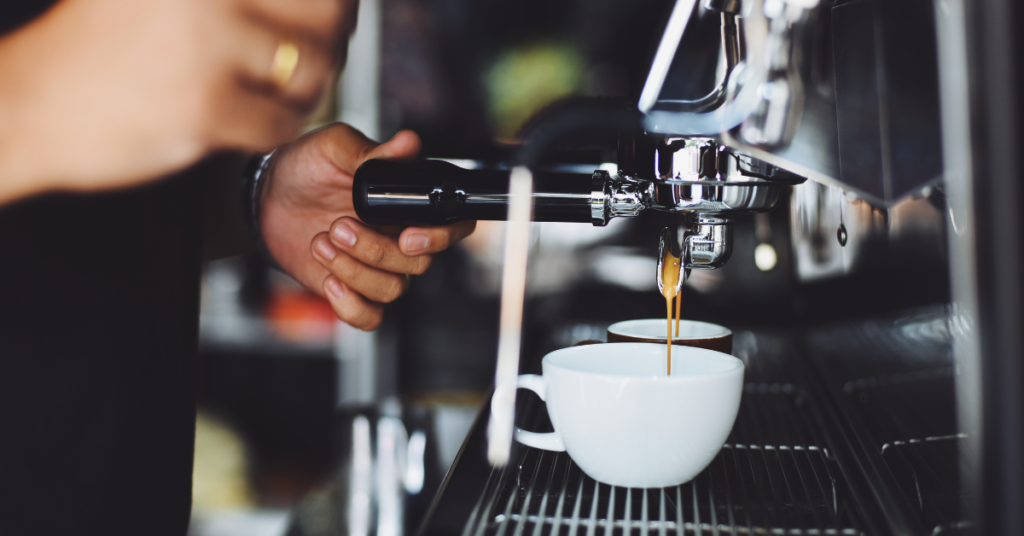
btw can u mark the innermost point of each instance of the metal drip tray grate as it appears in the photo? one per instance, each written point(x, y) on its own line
point(921, 443)
point(772, 477)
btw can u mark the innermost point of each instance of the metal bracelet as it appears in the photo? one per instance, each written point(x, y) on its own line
point(255, 171)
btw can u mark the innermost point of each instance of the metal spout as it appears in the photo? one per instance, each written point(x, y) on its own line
point(669, 248)
point(707, 243)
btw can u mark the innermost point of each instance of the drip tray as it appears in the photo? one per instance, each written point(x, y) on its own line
point(774, 476)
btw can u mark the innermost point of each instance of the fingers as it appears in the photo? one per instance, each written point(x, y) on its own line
point(263, 112)
point(258, 46)
point(428, 240)
point(375, 249)
point(368, 268)
point(373, 283)
point(350, 306)
point(348, 148)
point(253, 111)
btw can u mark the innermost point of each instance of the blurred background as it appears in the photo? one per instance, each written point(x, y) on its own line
point(297, 409)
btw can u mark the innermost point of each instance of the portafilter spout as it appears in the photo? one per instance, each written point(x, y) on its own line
point(669, 251)
point(707, 243)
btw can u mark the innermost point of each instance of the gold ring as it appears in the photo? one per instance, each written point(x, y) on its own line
point(286, 59)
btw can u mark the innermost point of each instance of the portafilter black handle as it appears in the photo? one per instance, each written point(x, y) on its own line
point(433, 192)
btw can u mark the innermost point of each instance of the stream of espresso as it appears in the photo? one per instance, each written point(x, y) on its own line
point(669, 280)
point(679, 305)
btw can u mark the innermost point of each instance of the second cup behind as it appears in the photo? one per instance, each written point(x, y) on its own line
point(691, 333)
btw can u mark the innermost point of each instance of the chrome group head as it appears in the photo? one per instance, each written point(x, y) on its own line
point(704, 182)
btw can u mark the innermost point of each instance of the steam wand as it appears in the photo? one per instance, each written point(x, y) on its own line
point(513, 294)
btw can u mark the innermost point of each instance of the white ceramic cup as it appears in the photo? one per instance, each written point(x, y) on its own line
point(625, 422)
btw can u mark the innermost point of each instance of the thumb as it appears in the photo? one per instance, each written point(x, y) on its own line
point(347, 148)
point(405, 144)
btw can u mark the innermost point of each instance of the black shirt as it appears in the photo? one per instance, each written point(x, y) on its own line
point(99, 302)
point(14, 13)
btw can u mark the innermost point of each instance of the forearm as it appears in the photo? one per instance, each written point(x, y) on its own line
point(22, 171)
point(14, 184)
point(22, 174)
point(104, 94)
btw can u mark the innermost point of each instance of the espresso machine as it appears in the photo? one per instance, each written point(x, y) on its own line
point(673, 155)
point(885, 129)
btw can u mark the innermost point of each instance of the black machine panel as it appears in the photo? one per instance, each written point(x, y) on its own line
point(886, 90)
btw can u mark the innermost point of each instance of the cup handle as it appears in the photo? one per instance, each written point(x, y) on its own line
point(549, 441)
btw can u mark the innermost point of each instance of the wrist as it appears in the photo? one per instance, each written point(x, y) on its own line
point(255, 187)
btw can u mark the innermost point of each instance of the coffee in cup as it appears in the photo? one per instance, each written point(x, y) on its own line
point(625, 422)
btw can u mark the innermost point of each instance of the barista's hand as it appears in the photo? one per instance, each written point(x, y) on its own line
point(310, 226)
point(102, 94)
